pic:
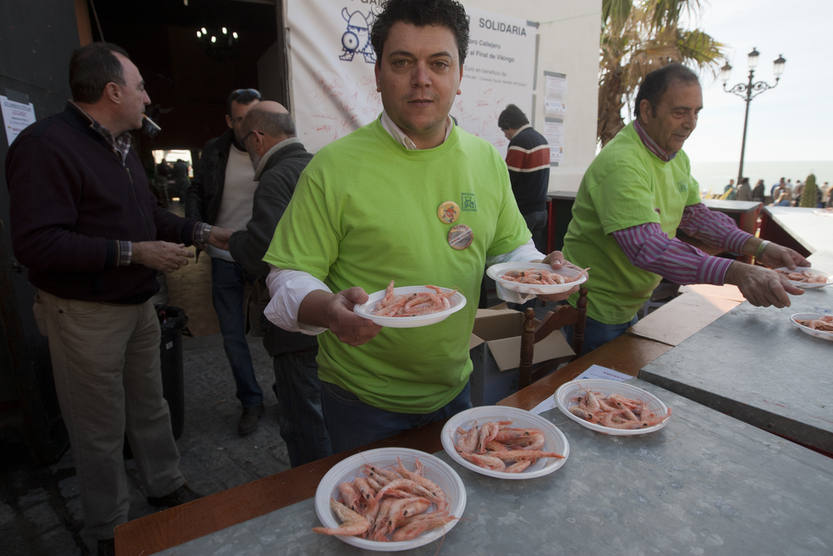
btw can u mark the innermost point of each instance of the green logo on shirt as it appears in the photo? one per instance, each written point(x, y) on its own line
point(682, 186)
point(468, 202)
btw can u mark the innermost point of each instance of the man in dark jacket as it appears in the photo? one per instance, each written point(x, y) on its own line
point(87, 226)
point(221, 193)
point(528, 160)
point(279, 158)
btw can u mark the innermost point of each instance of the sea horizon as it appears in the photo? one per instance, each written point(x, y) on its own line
point(714, 175)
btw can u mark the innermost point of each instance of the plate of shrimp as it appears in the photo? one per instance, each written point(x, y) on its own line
point(612, 407)
point(805, 277)
point(814, 324)
point(411, 306)
point(505, 442)
point(536, 278)
point(389, 499)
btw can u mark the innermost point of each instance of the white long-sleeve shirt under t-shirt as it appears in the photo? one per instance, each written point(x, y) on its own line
point(288, 288)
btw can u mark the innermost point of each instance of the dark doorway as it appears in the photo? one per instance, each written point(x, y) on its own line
point(188, 78)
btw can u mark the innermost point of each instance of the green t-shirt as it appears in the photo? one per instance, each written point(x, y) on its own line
point(364, 212)
point(626, 185)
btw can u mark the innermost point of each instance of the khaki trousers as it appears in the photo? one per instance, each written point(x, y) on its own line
point(105, 361)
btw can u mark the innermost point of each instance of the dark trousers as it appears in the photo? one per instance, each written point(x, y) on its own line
point(299, 407)
point(353, 423)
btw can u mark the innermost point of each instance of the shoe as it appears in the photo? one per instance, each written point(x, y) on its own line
point(106, 547)
point(180, 496)
point(248, 420)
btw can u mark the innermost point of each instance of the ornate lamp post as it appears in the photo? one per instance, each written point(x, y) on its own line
point(749, 90)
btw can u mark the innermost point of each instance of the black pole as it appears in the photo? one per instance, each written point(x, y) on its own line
point(745, 122)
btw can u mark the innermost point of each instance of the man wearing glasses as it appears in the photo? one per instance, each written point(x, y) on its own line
point(221, 193)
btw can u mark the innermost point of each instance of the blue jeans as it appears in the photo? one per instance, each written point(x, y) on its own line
point(597, 333)
point(536, 222)
point(353, 423)
point(227, 284)
point(299, 407)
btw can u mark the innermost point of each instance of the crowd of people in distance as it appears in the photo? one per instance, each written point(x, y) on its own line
point(783, 193)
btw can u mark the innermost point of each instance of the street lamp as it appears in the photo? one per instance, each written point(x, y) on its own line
point(749, 90)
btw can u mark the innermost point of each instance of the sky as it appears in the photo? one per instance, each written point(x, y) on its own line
point(794, 121)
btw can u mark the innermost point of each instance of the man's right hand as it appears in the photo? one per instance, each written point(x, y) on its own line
point(335, 311)
point(161, 255)
point(761, 286)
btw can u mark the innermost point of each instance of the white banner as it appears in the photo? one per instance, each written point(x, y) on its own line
point(332, 84)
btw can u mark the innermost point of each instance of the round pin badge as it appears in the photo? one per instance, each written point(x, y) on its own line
point(448, 212)
point(460, 236)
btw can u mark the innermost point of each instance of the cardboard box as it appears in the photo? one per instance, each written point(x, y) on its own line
point(495, 350)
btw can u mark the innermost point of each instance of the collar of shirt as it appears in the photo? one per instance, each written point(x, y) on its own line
point(400, 135)
point(651, 145)
point(261, 166)
point(520, 129)
point(120, 144)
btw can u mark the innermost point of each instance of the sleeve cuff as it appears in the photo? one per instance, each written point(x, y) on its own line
point(201, 233)
point(124, 253)
point(713, 270)
point(736, 239)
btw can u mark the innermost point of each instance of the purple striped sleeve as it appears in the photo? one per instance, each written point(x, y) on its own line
point(713, 228)
point(649, 248)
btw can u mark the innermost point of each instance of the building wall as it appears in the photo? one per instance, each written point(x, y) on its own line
point(569, 31)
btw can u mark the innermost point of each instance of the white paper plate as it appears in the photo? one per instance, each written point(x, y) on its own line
point(564, 398)
point(823, 334)
point(348, 469)
point(809, 272)
point(458, 301)
point(573, 274)
point(555, 439)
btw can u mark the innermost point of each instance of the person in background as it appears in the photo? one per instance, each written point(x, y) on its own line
point(221, 192)
point(635, 195)
point(278, 158)
point(89, 230)
point(773, 191)
point(411, 198)
point(728, 190)
point(758, 192)
point(528, 160)
point(744, 192)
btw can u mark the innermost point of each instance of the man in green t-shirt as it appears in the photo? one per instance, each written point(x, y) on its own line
point(410, 197)
point(633, 198)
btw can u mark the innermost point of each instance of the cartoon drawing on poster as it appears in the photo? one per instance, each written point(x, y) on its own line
point(356, 39)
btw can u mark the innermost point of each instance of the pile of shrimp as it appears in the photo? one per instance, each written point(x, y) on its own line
point(535, 276)
point(413, 304)
point(389, 504)
point(806, 277)
point(496, 446)
point(541, 276)
point(824, 323)
point(615, 411)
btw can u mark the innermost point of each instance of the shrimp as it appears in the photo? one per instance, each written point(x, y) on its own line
point(422, 523)
point(352, 523)
point(488, 462)
point(350, 496)
point(409, 305)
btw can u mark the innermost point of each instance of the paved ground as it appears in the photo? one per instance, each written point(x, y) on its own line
point(40, 508)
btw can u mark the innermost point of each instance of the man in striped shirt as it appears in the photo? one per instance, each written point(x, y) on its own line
point(528, 160)
point(633, 198)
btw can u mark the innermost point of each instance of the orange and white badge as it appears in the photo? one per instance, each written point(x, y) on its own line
point(460, 236)
point(448, 212)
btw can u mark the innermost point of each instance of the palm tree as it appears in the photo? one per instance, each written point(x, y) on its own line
point(639, 36)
